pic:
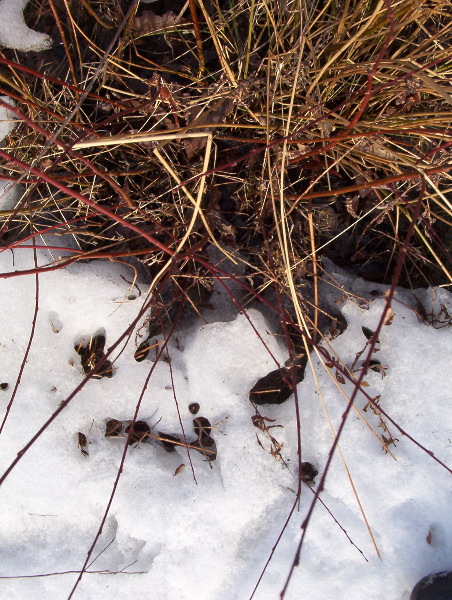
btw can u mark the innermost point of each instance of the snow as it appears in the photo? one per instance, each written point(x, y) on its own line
point(7, 123)
point(211, 539)
point(8, 195)
point(14, 33)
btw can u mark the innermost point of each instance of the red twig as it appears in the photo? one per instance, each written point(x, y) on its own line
point(377, 183)
point(16, 66)
point(27, 351)
point(118, 189)
point(194, 18)
point(97, 207)
point(88, 377)
point(357, 387)
point(123, 458)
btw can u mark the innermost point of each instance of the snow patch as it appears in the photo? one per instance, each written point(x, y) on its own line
point(14, 33)
point(211, 539)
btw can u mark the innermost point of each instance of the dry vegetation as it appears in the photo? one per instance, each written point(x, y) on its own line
point(328, 121)
point(280, 131)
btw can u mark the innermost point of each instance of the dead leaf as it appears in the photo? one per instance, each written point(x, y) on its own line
point(179, 469)
point(276, 387)
point(91, 352)
point(143, 350)
point(362, 179)
point(340, 378)
point(388, 440)
point(149, 22)
point(259, 422)
point(82, 444)
point(379, 149)
point(389, 317)
point(351, 204)
point(368, 333)
point(215, 114)
point(169, 441)
point(308, 472)
point(113, 428)
point(140, 432)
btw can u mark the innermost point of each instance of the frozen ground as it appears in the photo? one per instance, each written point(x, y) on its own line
point(210, 539)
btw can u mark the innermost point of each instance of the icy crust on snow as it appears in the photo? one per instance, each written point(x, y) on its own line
point(14, 33)
point(210, 539)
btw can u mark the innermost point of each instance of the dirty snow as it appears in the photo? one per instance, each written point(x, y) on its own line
point(210, 539)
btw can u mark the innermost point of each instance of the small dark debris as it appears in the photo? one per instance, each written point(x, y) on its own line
point(202, 427)
point(308, 472)
point(83, 444)
point(205, 441)
point(194, 408)
point(92, 354)
point(368, 333)
point(338, 326)
point(4, 386)
point(169, 441)
point(140, 432)
point(276, 386)
point(143, 350)
point(113, 428)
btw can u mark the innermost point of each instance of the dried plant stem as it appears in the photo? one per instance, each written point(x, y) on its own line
point(194, 18)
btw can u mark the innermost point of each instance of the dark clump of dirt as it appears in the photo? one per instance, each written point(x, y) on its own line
point(277, 386)
point(91, 352)
point(141, 432)
point(308, 473)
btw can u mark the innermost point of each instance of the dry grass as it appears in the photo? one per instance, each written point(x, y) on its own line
point(278, 130)
point(324, 119)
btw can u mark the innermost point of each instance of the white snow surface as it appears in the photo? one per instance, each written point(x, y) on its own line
point(14, 33)
point(8, 193)
point(7, 122)
point(210, 539)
